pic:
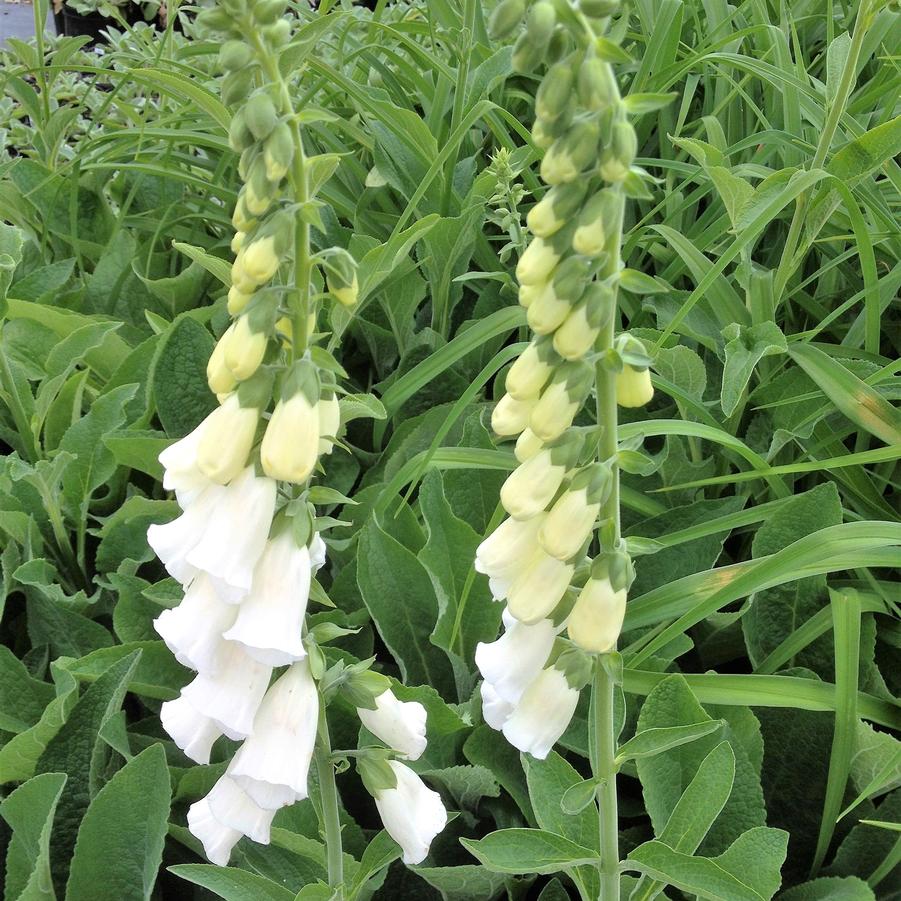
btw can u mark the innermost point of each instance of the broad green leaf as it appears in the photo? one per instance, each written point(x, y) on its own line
point(463, 883)
point(29, 811)
point(125, 823)
point(745, 348)
point(216, 266)
point(835, 888)
point(522, 851)
point(22, 697)
point(651, 742)
point(231, 883)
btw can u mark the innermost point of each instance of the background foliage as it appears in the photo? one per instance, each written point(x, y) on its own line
point(767, 512)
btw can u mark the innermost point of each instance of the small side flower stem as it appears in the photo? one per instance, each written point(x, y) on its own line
point(331, 822)
point(604, 738)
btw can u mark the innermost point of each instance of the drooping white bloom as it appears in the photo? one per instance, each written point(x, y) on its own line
point(495, 710)
point(411, 812)
point(236, 532)
point(193, 733)
point(399, 724)
point(234, 808)
point(181, 472)
point(542, 714)
point(506, 551)
point(318, 551)
point(270, 619)
point(538, 588)
point(597, 617)
point(217, 840)
point(193, 630)
point(512, 662)
point(272, 764)
point(226, 440)
point(173, 541)
point(230, 693)
point(633, 387)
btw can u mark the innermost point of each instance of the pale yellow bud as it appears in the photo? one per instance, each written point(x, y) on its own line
point(527, 445)
point(633, 387)
point(542, 221)
point(237, 300)
point(290, 446)
point(260, 261)
point(240, 220)
point(532, 486)
point(558, 166)
point(590, 239)
point(528, 375)
point(510, 416)
point(245, 350)
point(548, 311)
point(529, 293)
point(346, 295)
point(240, 279)
point(576, 336)
point(329, 412)
point(568, 524)
point(226, 440)
point(238, 241)
point(537, 262)
point(538, 588)
point(597, 617)
point(219, 377)
point(554, 412)
point(256, 204)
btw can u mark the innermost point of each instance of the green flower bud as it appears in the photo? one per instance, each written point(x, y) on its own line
point(618, 157)
point(506, 16)
point(596, 217)
point(278, 33)
point(554, 92)
point(559, 45)
point(570, 277)
point(234, 55)
point(261, 116)
point(268, 11)
point(540, 24)
point(555, 209)
point(546, 131)
point(278, 152)
point(216, 20)
point(341, 277)
point(526, 56)
point(236, 86)
point(572, 153)
point(239, 136)
point(597, 85)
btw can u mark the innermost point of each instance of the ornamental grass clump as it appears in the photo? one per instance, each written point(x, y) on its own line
point(248, 544)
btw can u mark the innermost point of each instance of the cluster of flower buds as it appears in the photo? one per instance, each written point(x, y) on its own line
point(246, 547)
point(537, 559)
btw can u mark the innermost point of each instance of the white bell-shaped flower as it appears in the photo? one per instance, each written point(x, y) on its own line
point(542, 714)
point(181, 473)
point(236, 533)
point(217, 840)
point(596, 619)
point(399, 724)
point(317, 552)
point(411, 812)
point(495, 710)
point(231, 692)
point(270, 619)
point(272, 764)
point(507, 551)
point(193, 733)
point(512, 662)
point(193, 630)
point(234, 808)
point(173, 541)
point(538, 588)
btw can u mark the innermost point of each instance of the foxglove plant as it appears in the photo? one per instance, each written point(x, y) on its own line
point(559, 561)
point(247, 545)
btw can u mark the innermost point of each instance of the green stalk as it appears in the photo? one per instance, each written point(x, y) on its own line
point(604, 769)
point(330, 819)
point(787, 263)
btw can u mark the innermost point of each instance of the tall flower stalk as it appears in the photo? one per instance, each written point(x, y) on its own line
point(247, 547)
point(559, 560)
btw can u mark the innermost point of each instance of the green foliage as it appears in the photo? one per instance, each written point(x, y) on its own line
point(761, 636)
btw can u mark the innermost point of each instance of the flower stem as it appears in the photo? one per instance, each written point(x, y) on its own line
point(330, 820)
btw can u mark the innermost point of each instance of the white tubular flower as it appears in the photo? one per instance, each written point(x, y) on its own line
point(173, 541)
point(329, 412)
point(537, 262)
point(495, 710)
point(531, 371)
point(527, 445)
point(193, 733)
point(570, 521)
point(290, 446)
point(597, 617)
point(542, 714)
point(411, 812)
point(318, 552)
point(181, 473)
point(193, 630)
point(633, 387)
point(230, 694)
point(235, 809)
point(506, 551)
point(532, 485)
point(399, 724)
point(226, 440)
point(219, 377)
point(217, 840)
point(269, 623)
point(235, 534)
point(537, 589)
point(273, 763)
point(511, 662)
point(511, 416)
